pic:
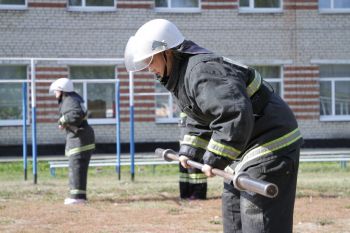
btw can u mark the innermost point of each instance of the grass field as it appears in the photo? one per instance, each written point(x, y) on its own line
point(144, 204)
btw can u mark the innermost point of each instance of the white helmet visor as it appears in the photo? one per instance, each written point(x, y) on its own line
point(138, 54)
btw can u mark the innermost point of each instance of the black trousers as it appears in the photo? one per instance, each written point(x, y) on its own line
point(192, 184)
point(245, 212)
point(78, 171)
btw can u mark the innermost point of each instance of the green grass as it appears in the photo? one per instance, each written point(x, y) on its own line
point(314, 179)
point(323, 179)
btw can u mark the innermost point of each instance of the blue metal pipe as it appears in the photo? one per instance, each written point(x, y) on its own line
point(117, 135)
point(24, 128)
point(132, 143)
point(34, 146)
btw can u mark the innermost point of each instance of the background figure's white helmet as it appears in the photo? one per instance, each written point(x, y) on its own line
point(153, 37)
point(62, 84)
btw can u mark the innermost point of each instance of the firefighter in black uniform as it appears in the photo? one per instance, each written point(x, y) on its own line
point(192, 182)
point(80, 137)
point(234, 116)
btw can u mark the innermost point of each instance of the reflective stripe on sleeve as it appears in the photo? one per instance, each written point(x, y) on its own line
point(194, 141)
point(80, 149)
point(62, 119)
point(182, 114)
point(254, 85)
point(223, 150)
point(270, 147)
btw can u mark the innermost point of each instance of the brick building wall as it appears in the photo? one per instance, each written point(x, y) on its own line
point(293, 38)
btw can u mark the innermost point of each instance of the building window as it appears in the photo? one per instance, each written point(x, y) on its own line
point(166, 108)
point(11, 94)
point(334, 5)
point(177, 5)
point(92, 5)
point(273, 75)
point(263, 6)
point(334, 92)
point(13, 4)
point(99, 97)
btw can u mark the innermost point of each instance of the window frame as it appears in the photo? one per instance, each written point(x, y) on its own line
point(275, 80)
point(84, 82)
point(178, 9)
point(83, 7)
point(251, 8)
point(19, 122)
point(333, 116)
point(167, 120)
point(332, 9)
point(14, 7)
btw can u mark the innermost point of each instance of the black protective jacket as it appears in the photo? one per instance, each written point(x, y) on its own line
point(80, 136)
point(222, 118)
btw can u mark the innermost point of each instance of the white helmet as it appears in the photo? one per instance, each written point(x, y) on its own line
point(153, 37)
point(62, 84)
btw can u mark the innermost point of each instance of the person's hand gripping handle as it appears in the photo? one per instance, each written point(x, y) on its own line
point(241, 181)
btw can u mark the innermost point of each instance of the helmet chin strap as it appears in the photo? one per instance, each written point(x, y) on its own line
point(165, 77)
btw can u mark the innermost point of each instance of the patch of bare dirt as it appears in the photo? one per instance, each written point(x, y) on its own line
point(163, 215)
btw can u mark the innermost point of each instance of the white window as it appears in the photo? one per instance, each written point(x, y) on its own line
point(99, 97)
point(334, 5)
point(166, 108)
point(92, 5)
point(335, 92)
point(273, 75)
point(13, 4)
point(260, 6)
point(177, 5)
point(11, 112)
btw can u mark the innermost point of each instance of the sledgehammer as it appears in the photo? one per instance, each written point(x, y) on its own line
point(241, 181)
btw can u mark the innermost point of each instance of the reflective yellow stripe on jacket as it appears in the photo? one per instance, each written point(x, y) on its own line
point(223, 150)
point(254, 85)
point(80, 149)
point(232, 153)
point(270, 147)
point(194, 141)
point(62, 119)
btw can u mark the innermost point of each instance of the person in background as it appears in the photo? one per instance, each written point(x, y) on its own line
point(192, 182)
point(232, 114)
point(80, 137)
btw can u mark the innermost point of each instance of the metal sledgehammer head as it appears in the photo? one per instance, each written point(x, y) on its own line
point(241, 181)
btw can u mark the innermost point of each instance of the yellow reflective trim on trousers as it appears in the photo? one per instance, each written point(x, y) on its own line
point(183, 177)
point(194, 141)
point(198, 181)
point(80, 149)
point(196, 176)
point(270, 147)
point(182, 114)
point(77, 191)
point(184, 180)
point(223, 150)
point(254, 85)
